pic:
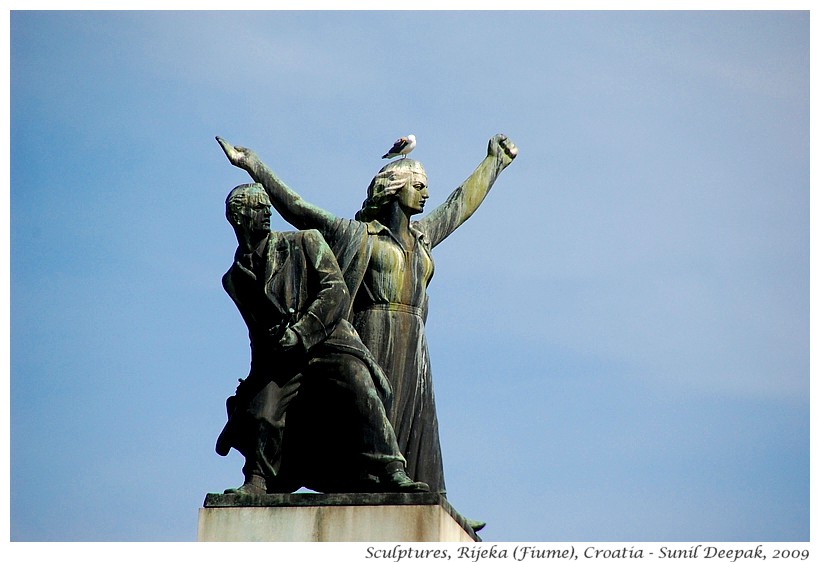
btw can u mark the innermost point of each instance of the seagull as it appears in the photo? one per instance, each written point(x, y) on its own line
point(402, 146)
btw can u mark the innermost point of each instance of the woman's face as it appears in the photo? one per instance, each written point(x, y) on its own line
point(413, 194)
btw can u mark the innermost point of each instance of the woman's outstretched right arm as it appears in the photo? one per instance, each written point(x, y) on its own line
point(288, 203)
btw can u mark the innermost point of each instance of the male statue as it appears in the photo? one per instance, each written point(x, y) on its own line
point(311, 412)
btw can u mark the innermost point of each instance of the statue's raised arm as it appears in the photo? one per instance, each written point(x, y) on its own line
point(286, 201)
point(463, 202)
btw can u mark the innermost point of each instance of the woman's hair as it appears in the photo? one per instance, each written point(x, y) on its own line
point(385, 185)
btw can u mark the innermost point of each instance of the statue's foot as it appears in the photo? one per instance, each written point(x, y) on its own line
point(253, 486)
point(475, 525)
point(397, 480)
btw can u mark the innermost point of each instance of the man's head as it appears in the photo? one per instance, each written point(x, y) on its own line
point(247, 208)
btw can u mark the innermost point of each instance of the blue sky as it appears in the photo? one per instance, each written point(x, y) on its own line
point(619, 336)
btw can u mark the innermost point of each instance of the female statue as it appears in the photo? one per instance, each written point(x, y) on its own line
point(386, 262)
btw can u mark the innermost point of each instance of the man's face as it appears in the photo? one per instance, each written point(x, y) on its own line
point(255, 216)
point(414, 193)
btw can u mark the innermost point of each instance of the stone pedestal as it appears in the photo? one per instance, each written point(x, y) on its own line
point(426, 517)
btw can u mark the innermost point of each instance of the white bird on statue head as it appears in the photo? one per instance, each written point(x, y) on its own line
point(402, 147)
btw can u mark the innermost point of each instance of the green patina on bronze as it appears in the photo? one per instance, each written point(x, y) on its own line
point(386, 262)
point(308, 366)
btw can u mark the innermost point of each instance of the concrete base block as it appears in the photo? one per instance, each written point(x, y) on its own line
point(426, 517)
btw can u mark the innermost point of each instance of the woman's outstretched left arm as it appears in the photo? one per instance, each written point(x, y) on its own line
point(463, 202)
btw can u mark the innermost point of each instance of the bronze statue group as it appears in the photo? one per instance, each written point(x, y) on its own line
point(340, 397)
